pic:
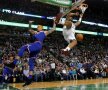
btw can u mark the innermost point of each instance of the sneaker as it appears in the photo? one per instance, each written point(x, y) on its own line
point(65, 52)
point(28, 82)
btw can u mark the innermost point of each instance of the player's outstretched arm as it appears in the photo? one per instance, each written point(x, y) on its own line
point(31, 31)
point(79, 21)
point(83, 8)
point(30, 24)
point(73, 14)
point(52, 30)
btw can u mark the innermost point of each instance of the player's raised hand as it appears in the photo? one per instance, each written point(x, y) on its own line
point(83, 7)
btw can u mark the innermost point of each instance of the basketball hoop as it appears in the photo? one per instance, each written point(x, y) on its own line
point(65, 11)
point(59, 3)
point(74, 5)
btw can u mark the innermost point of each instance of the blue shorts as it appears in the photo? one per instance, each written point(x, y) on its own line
point(32, 48)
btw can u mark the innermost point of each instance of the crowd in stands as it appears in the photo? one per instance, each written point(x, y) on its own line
point(88, 60)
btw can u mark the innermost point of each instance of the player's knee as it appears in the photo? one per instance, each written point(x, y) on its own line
point(73, 41)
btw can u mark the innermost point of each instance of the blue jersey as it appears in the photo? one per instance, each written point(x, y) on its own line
point(39, 36)
point(33, 48)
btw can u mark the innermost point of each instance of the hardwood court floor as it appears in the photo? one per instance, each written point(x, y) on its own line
point(59, 84)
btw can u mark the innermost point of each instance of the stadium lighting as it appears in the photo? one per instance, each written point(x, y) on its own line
point(46, 27)
point(38, 16)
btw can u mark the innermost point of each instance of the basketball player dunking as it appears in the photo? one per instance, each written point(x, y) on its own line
point(69, 28)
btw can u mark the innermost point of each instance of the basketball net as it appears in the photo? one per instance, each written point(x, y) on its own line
point(74, 5)
point(64, 9)
point(63, 4)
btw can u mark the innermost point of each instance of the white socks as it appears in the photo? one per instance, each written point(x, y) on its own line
point(67, 49)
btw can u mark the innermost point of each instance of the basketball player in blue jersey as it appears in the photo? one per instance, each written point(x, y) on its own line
point(8, 68)
point(34, 48)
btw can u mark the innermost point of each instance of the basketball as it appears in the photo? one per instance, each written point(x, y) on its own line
point(79, 37)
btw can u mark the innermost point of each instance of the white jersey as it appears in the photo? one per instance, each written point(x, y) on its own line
point(69, 34)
